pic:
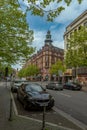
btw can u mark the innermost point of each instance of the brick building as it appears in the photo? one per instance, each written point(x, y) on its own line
point(46, 56)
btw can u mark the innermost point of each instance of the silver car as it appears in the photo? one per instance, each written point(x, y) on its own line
point(54, 86)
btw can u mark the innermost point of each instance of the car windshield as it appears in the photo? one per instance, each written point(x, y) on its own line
point(75, 83)
point(34, 88)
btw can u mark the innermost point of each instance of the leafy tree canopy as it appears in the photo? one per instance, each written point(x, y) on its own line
point(31, 70)
point(76, 54)
point(3, 67)
point(58, 66)
point(44, 7)
point(15, 35)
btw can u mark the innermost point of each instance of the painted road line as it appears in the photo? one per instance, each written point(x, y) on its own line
point(69, 117)
point(64, 94)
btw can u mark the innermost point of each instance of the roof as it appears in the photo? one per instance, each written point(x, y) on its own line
point(79, 17)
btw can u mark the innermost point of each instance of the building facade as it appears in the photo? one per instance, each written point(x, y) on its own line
point(46, 56)
point(75, 26)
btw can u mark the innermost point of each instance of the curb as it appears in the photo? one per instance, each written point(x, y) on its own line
point(39, 121)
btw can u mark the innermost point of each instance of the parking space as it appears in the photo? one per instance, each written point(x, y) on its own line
point(51, 116)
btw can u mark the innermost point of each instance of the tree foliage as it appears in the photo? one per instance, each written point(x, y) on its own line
point(44, 7)
point(15, 35)
point(58, 66)
point(31, 70)
point(3, 67)
point(76, 54)
point(22, 73)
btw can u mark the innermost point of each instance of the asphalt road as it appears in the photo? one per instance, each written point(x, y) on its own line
point(72, 102)
point(51, 116)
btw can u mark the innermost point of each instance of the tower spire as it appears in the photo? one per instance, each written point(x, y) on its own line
point(48, 40)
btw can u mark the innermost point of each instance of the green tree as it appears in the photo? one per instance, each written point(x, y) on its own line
point(3, 67)
point(15, 35)
point(31, 70)
point(22, 73)
point(57, 67)
point(76, 54)
point(39, 7)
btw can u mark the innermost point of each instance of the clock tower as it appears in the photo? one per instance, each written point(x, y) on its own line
point(48, 40)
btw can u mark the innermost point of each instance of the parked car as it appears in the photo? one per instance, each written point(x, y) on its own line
point(72, 86)
point(33, 95)
point(8, 79)
point(55, 86)
point(15, 84)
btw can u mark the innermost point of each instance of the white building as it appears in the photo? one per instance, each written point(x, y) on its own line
point(75, 26)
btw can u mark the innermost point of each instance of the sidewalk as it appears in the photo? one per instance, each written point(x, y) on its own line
point(84, 88)
point(19, 122)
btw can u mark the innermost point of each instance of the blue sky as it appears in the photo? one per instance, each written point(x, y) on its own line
point(40, 26)
point(57, 28)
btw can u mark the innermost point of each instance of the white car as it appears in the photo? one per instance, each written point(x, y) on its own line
point(15, 84)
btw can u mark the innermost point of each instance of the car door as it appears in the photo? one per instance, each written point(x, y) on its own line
point(49, 86)
point(69, 85)
point(52, 86)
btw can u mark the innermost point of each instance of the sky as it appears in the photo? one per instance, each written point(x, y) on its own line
point(40, 26)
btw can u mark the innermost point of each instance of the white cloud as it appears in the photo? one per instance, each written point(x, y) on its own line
point(39, 37)
point(65, 18)
point(71, 12)
point(59, 44)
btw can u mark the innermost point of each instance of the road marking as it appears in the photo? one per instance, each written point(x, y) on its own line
point(72, 119)
point(64, 94)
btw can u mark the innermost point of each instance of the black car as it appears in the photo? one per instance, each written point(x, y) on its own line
point(33, 95)
point(54, 86)
point(72, 86)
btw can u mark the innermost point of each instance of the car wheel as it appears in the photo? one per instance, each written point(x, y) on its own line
point(71, 88)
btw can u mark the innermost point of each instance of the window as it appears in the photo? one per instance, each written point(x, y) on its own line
point(79, 27)
point(75, 30)
point(85, 24)
point(67, 46)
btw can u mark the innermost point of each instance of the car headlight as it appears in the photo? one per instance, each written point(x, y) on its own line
point(51, 97)
point(31, 99)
